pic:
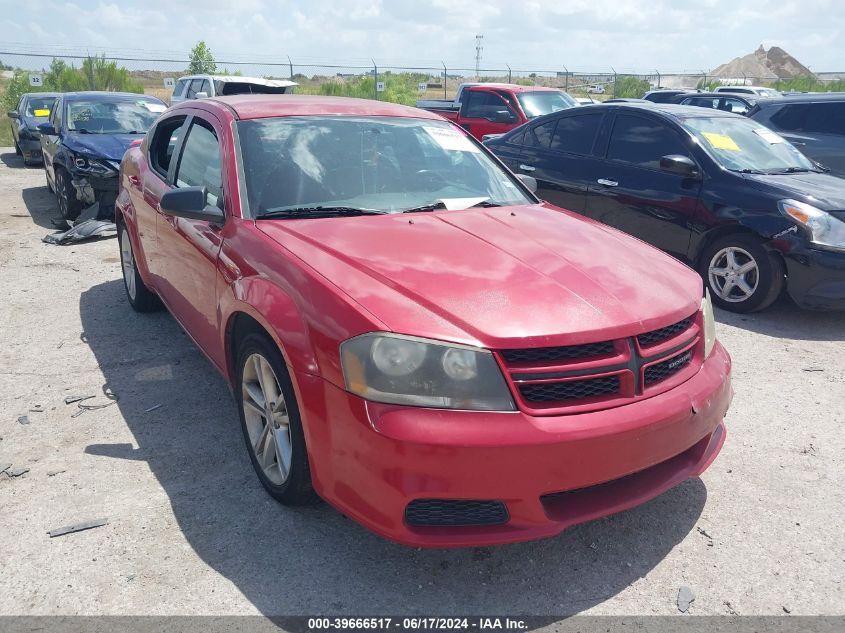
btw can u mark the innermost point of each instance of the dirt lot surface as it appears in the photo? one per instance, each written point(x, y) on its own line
point(191, 531)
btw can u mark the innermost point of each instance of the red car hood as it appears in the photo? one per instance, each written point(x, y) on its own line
point(496, 277)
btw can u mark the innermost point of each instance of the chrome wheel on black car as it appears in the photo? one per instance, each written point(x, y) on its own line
point(69, 205)
point(741, 275)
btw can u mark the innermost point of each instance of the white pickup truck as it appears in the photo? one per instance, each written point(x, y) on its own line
point(201, 86)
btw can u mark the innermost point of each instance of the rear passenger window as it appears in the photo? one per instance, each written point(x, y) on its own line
point(576, 134)
point(643, 142)
point(540, 135)
point(163, 143)
point(826, 118)
point(199, 165)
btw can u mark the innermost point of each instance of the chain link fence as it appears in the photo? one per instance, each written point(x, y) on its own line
point(153, 75)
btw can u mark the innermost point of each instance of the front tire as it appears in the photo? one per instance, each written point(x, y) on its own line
point(18, 149)
point(141, 298)
point(69, 206)
point(740, 274)
point(270, 421)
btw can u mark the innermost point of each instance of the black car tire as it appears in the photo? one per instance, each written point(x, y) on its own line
point(294, 488)
point(18, 149)
point(141, 298)
point(69, 205)
point(765, 277)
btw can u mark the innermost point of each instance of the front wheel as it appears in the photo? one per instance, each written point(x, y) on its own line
point(141, 298)
point(69, 205)
point(740, 274)
point(270, 421)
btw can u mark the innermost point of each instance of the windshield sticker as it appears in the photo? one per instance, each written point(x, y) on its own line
point(768, 135)
point(458, 204)
point(40, 113)
point(451, 140)
point(721, 141)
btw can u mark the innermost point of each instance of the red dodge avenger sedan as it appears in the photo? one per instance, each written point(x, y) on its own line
point(409, 333)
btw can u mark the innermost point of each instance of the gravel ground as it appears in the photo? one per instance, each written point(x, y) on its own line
point(191, 531)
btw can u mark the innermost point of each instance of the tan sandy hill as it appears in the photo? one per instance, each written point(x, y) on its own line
point(771, 64)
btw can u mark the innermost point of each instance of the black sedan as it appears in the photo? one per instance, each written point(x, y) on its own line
point(33, 108)
point(727, 195)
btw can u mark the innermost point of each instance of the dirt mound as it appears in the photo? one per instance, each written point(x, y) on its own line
point(771, 64)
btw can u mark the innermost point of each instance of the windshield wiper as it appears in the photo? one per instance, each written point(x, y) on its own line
point(794, 170)
point(318, 211)
point(436, 206)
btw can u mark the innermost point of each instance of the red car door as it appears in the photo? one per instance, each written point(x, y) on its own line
point(146, 188)
point(486, 112)
point(188, 249)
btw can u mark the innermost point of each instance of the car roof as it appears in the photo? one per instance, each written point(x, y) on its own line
point(40, 94)
point(667, 110)
point(728, 88)
point(732, 95)
point(264, 106)
point(278, 83)
point(808, 97)
point(104, 95)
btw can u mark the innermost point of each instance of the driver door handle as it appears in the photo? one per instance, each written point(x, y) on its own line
point(607, 183)
point(527, 168)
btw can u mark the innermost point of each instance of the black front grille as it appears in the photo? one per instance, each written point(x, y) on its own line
point(666, 368)
point(569, 352)
point(656, 336)
point(455, 512)
point(570, 390)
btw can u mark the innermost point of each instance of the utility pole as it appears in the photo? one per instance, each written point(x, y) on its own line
point(478, 49)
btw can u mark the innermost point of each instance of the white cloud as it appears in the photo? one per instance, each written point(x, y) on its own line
point(534, 34)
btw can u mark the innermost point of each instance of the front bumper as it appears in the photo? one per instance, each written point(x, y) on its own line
point(816, 278)
point(94, 188)
point(371, 460)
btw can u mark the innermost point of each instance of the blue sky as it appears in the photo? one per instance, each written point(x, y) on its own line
point(590, 35)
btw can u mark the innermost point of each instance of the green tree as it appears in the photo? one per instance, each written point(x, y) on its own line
point(101, 74)
point(628, 86)
point(201, 60)
point(708, 86)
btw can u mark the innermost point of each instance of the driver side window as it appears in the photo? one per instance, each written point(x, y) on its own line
point(484, 105)
point(199, 165)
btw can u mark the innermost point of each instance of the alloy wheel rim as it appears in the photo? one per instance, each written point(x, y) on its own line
point(267, 419)
point(60, 181)
point(733, 274)
point(128, 261)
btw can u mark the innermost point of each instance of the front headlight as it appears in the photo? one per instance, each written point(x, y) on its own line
point(399, 369)
point(824, 229)
point(709, 324)
point(91, 166)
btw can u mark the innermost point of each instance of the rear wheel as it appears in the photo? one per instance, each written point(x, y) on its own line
point(270, 421)
point(69, 206)
point(141, 298)
point(740, 274)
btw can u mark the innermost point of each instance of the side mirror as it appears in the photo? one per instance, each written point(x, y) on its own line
point(502, 116)
point(190, 203)
point(528, 181)
point(681, 165)
point(201, 95)
point(47, 128)
point(13, 114)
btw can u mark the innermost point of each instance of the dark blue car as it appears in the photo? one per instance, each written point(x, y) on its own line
point(32, 109)
point(84, 142)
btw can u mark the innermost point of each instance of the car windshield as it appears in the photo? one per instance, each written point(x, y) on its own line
point(39, 106)
point(743, 145)
point(113, 117)
point(538, 103)
point(373, 164)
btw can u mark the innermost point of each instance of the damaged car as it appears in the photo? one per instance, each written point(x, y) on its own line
point(83, 142)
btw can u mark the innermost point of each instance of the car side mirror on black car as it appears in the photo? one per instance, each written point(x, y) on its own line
point(47, 128)
point(191, 203)
point(13, 114)
point(678, 164)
